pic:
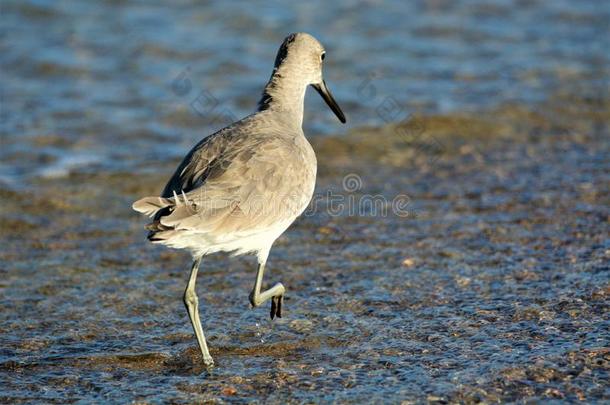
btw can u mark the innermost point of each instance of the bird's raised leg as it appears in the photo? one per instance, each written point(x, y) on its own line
point(276, 293)
point(192, 305)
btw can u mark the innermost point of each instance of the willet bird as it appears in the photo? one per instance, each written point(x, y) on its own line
point(239, 189)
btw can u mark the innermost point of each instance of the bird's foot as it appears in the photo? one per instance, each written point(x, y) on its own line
point(276, 306)
point(208, 362)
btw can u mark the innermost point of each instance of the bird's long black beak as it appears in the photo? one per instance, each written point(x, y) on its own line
point(328, 97)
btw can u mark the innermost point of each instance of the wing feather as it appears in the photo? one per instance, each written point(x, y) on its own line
point(151, 205)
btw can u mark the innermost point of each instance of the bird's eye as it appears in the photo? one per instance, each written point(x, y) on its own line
point(322, 55)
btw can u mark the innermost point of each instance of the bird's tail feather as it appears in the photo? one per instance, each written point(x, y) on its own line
point(151, 205)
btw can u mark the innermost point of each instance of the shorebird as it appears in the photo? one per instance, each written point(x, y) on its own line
point(240, 188)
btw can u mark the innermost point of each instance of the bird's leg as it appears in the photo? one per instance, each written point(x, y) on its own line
point(192, 305)
point(276, 293)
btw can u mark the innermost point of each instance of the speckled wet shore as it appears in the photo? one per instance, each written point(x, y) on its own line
point(491, 285)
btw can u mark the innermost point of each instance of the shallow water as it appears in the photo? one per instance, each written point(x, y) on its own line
point(491, 285)
point(488, 282)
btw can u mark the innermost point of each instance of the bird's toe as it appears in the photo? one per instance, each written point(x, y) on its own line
point(273, 308)
point(280, 301)
point(276, 306)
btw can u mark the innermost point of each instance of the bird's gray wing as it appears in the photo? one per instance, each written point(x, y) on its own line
point(257, 184)
point(234, 182)
point(203, 160)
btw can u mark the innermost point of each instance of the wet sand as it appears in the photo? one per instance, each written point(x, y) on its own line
point(492, 285)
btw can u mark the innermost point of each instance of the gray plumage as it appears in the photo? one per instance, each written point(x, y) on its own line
point(240, 188)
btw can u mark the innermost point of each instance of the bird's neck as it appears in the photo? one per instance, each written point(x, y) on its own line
point(284, 93)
